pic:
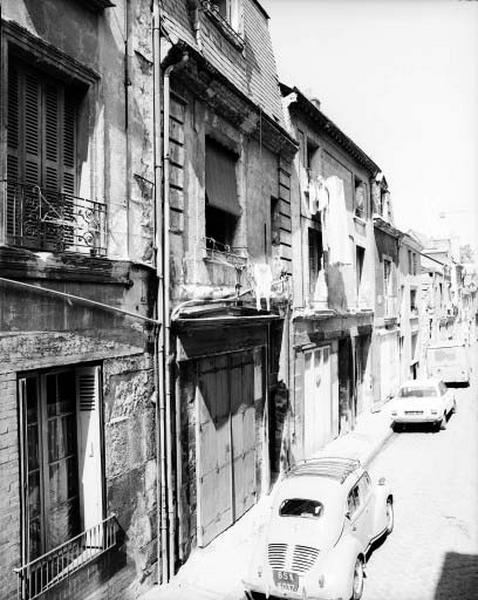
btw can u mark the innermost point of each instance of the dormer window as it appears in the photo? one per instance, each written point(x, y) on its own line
point(360, 199)
point(227, 10)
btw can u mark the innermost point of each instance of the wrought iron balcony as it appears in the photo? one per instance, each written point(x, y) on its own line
point(53, 221)
point(42, 574)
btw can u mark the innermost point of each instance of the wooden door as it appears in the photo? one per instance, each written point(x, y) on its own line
point(243, 432)
point(226, 452)
point(317, 400)
point(214, 450)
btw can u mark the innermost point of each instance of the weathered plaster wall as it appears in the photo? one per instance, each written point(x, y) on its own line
point(194, 273)
point(116, 111)
point(329, 160)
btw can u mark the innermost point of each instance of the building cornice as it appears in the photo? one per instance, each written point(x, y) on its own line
point(304, 106)
point(208, 84)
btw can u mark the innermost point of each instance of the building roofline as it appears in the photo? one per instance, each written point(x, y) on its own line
point(262, 9)
point(386, 227)
point(290, 142)
point(331, 129)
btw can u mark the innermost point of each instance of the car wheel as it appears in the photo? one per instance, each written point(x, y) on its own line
point(357, 586)
point(443, 422)
point(390, 516)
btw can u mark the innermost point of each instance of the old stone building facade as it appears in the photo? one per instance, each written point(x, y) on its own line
point(333, 277)
point(230, 265)
point(200, 282)
point(78, 444)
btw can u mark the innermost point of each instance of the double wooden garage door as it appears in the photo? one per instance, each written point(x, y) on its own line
point(228, 388)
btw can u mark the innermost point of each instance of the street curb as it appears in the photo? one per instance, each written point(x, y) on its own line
point(379, 447)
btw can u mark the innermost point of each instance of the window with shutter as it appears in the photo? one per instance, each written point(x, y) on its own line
point(41, 161)
point(315, 258)
point(61, 457)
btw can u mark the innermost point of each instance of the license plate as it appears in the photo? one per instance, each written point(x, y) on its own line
point(414, 412)
point(286, 580)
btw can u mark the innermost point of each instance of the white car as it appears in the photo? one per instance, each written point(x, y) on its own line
point(325, 515)
point(423, 401)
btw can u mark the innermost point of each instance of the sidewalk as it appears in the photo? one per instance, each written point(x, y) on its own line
point(214, 572)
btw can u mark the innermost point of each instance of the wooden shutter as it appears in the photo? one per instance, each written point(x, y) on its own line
point(13, 149)
point(42, 120)
point(70, 107)
point(89, 445)
point(32, 128)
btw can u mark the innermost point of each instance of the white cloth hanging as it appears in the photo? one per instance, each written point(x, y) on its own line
point(337, 223)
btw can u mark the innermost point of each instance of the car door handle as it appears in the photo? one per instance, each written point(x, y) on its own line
point(354, 527)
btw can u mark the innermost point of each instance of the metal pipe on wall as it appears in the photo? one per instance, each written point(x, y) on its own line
point(167, 320)
point(162, 525)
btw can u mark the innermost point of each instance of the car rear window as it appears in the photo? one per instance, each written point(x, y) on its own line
point(300, 507)
point(417, 392)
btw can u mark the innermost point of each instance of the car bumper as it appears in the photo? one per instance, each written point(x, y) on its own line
point(264, 592)
point(403, 419)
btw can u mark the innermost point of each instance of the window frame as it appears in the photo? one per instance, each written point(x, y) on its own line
point(360, 213)
point(17, 42)
point(40, 376)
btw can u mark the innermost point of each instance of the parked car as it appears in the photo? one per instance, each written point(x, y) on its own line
point(325, 515)
point(423, 401)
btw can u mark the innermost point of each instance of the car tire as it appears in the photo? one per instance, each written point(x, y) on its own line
point(358, 579)
point(390, 516)
point(443, 422)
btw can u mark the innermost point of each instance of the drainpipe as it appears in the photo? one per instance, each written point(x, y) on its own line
point(167, 320)
point(128, 27)
point(162, 526)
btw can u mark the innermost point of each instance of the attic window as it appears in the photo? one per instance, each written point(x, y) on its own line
point(226, 15)
point(360, 199)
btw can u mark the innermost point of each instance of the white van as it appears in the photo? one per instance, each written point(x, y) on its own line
point(449, 361)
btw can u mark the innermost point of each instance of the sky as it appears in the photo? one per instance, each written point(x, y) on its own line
point(400, 77)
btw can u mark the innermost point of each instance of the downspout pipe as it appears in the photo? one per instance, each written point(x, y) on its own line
point(162, 548)
point(167, 320)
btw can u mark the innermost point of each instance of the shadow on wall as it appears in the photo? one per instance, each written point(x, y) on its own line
point(459, 577)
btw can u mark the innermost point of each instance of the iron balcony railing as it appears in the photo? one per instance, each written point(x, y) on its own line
point(42, 574)
point(41, 219)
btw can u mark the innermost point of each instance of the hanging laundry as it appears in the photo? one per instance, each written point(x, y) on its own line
point(337, 223)
point(261, 275)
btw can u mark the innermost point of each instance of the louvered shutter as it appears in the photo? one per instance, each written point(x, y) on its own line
point(13, 151)
point(42, 120)
point(68, 161)
point(89, 445)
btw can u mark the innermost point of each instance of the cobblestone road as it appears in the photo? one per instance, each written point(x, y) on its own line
point(433, 552)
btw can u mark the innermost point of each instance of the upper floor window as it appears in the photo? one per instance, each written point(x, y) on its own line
point(413, 301)
point(359, 261)
point(360, 201)
point(43, 211)
point(227, 10)
point(387, 277)
point(315, 260)
point(222, 205)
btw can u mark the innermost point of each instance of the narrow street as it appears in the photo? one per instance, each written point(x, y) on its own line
point(433, 550)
